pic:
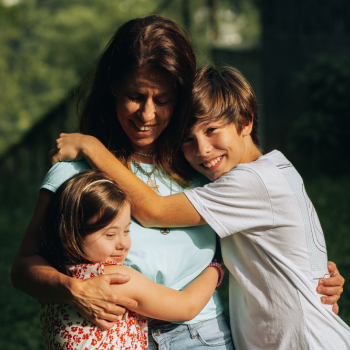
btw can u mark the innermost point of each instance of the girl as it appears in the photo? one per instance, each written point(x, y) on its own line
point(87, 234)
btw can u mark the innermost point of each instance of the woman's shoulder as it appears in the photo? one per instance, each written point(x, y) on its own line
point(61, 172)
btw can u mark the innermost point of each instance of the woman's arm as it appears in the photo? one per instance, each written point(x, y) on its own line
point(159, 302)
point(32, 274)
point(152, 210)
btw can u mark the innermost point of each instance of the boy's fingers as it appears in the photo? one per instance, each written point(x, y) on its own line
point(332, 281)
point(329, 290)
point(335, 308)
point(332, 268)
point(330, 300)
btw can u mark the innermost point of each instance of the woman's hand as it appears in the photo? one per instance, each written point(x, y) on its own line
point(97, 302)
point(70, 146)
point(332, 287)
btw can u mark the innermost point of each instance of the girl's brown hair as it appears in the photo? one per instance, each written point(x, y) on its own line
point(82, 205)
point(152, 41)
point(224, 94)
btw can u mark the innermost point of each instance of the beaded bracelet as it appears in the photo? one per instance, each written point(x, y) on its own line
point(220, 267)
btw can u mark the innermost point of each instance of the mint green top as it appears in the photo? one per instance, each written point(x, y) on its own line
point(174, 259)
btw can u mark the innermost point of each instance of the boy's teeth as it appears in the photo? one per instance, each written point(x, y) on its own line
point(212, 163)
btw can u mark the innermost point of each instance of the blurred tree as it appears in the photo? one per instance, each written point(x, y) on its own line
point(318, 141)
point(48, 46)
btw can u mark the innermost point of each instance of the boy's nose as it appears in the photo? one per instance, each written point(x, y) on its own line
point(203, 147)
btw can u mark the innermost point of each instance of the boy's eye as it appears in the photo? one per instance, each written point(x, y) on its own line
point(209, 130)
point(188, 139)
point(110, 235)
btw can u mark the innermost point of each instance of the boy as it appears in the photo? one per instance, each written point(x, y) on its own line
point(272, 242)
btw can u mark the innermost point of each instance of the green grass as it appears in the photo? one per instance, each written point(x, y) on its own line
point(19, 325)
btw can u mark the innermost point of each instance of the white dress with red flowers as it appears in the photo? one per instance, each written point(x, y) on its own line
point(65, 329)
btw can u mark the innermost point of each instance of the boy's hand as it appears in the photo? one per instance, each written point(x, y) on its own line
point(95, 300)
point(332, 287)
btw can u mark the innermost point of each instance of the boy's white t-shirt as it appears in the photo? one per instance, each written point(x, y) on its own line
point(274, 248)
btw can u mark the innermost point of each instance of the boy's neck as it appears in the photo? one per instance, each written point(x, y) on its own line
point(251, 152)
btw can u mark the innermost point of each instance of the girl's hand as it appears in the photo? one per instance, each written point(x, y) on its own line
point(97, 302)
point(70, 146)
point(332, 287)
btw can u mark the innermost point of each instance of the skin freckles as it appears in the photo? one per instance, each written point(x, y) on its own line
point(145, 102)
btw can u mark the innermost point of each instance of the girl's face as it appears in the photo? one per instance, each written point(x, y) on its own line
point(145, 102)
point(111, 243)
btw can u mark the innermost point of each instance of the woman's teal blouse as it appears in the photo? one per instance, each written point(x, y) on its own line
point(173, 259)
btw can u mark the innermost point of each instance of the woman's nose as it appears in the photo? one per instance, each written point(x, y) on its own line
point(147, 110)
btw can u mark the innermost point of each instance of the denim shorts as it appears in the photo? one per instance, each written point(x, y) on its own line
point(213, 334)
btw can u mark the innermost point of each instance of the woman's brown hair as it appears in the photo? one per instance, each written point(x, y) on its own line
point(152, 41)
point(223, 93)
point(84, 204)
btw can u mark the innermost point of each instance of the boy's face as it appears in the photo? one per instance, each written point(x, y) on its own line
point(214, 148)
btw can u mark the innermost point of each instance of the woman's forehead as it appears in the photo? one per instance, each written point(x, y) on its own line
point(149, 78)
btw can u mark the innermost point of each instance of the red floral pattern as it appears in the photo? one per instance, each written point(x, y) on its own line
point(65, 329)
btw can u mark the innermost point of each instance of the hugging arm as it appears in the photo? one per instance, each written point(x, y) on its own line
point(159, 302)
point(32, 274)
point(152, 210)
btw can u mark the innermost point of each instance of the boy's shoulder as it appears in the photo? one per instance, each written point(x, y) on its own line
point(269, 171)
point(272, 164)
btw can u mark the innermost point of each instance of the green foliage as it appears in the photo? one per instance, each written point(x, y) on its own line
point(48, 46)
point(319, 136)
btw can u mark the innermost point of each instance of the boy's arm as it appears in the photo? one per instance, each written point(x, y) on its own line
point(32, 274)
point(149, 208)
point(163, 303)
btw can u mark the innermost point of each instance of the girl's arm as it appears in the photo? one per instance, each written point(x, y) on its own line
point(32, 274)
point(163, 303)
point(152, 210)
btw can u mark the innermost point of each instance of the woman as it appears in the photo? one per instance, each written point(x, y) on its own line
point(137, 108)
point(137, 105)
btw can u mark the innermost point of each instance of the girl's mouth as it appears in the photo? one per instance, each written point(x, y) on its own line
point(213, 164)
point(117, 257)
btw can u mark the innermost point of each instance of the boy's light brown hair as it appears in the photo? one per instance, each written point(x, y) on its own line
point(223, 93)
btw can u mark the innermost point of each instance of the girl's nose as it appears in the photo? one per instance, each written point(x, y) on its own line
point(147, 110)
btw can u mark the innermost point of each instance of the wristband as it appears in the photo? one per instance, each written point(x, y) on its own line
point(220, 267)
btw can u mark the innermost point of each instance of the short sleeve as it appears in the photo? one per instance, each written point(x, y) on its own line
point(238, 201)
point(61, 172)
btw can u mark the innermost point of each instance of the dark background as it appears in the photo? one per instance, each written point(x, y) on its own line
point(295, 54)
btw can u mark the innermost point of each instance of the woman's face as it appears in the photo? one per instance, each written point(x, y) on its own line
point(145, 101)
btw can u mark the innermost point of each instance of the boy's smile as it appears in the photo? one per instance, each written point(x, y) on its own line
point(214, 148)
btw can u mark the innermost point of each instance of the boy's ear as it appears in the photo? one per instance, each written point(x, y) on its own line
point(247, 128)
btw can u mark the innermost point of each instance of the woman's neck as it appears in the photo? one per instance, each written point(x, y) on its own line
point(142, 159)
